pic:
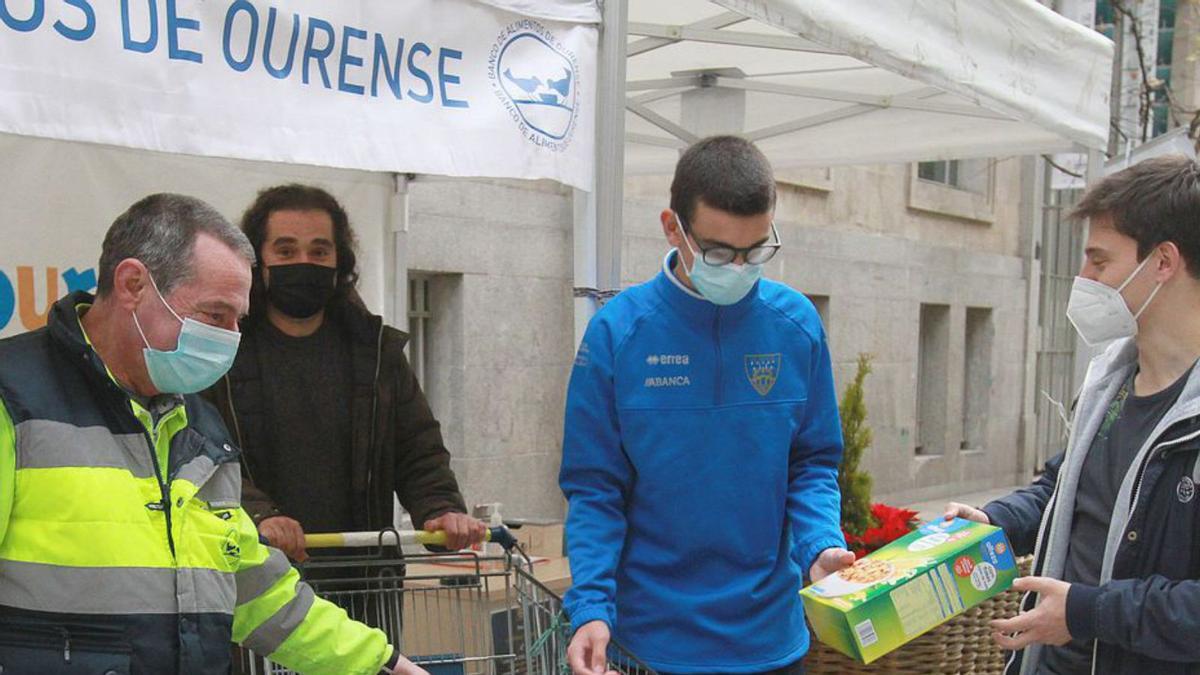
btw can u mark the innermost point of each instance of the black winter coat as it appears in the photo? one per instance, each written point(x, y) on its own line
point(397, 443)
point(1147, 619)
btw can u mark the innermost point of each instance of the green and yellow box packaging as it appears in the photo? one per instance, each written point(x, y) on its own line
point(909, 587)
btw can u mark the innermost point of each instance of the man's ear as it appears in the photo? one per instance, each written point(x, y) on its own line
point(130, 280)
point(671, 227)
point(1169, 262)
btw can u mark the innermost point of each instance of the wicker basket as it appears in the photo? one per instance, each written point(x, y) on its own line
point(962, 645)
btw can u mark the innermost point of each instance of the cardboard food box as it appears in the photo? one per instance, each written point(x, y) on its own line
point(909, 587)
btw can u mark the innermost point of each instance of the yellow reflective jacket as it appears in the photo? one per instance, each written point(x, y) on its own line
point(123, 545)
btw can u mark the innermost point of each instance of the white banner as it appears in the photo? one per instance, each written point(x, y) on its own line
point(448, 87)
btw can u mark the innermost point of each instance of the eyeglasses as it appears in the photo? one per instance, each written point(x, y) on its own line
point(723, 255)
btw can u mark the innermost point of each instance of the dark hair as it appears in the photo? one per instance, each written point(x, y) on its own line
point(160, 231)
point(727, 173)
point(1154, 201)
point(297, 197)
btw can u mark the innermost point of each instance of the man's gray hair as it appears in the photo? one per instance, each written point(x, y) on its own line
point(160, 231)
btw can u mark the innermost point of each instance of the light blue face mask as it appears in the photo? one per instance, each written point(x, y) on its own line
point(721, 284)
point(203, 354)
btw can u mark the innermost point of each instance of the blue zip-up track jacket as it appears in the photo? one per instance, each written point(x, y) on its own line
point(700, 464)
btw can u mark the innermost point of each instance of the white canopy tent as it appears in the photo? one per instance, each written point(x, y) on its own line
point(825, 82)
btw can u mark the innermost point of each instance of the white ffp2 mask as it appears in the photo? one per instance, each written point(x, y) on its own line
point(1099, 313)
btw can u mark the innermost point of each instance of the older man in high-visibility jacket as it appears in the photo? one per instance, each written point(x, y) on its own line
point(123, 547)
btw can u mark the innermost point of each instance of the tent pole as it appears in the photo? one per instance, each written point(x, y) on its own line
point(1033, 199)
point(585, 261)
point(396, 254)
point(598, 214)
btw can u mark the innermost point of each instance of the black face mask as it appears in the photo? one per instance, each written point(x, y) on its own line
point(300, 290)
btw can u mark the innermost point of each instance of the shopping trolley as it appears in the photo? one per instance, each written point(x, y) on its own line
point(455, 613)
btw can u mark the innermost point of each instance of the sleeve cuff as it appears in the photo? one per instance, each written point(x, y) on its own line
point(994, 514)
point(436, 512)
point(390, 664)
point(259, 516)
point(1082, 610)
point(585, 615)
point(808, 554)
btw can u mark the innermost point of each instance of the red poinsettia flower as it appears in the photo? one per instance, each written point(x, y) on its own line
point(891, 523)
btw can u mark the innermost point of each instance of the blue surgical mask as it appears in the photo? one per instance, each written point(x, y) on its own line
point(202, 355)
point(721, 284)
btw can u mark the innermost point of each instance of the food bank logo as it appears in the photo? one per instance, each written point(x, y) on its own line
point(536, 78)
point(27, 292)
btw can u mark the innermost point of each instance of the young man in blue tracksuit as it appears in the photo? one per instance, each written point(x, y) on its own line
point(702, 444)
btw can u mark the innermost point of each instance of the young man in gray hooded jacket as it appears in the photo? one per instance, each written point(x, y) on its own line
point(1114, 522)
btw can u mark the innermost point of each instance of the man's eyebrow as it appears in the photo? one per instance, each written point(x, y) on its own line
point(218, 305)
point(283, 240)
point(709, 243)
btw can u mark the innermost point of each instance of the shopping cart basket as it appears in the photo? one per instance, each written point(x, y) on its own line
point(545, 630)
point(460, 613)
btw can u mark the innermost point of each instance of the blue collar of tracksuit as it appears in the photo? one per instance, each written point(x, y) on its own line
point(691, 304)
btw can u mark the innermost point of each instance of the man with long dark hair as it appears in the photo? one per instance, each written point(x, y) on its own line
point(326, 407)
